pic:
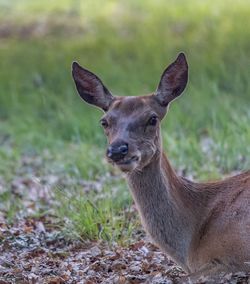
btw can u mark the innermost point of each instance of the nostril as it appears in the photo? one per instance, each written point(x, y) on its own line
point(124, 149)
point(117, 151)
point(109, 152)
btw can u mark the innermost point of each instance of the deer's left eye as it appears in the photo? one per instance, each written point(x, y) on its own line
point(153, 120)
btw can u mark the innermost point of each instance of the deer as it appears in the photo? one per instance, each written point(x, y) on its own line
point(204, 227)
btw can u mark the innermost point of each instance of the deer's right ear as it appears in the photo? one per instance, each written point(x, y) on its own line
point(91, 88)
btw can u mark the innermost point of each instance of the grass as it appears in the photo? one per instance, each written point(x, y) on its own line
point(106, 215)
point(128, 44)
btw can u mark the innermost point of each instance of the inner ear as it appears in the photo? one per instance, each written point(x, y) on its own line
point(90, 87)
point(173, 81)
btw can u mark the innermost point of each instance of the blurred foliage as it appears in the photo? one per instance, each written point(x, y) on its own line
point(128, 43)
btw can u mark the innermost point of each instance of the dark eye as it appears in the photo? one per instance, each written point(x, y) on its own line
point(104, 123)
point(153, 120)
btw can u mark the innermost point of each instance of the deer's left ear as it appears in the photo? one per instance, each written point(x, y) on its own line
point(90, 87)
point(173, 81)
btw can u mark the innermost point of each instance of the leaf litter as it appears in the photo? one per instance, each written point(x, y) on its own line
point(33, 248)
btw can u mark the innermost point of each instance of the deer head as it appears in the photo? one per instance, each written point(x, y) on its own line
point(132, 124)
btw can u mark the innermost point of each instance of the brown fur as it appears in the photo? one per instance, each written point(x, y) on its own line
point(203, 227)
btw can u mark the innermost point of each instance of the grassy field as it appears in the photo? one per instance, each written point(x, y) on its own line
point(128, 44)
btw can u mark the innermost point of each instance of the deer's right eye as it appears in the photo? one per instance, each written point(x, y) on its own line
point(104, 123)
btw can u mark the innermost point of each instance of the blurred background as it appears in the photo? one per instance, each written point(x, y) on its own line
point(48, 136)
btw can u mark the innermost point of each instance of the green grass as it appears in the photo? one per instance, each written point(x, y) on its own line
point(128, 44)
point(93, 216)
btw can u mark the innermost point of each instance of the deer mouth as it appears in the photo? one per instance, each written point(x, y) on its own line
point(128, 161)
point(128, 165)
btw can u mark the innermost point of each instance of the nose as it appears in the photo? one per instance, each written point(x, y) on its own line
point(117, 151)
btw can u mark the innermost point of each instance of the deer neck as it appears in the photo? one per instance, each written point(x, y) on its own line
point(165, 204)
